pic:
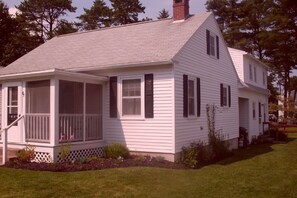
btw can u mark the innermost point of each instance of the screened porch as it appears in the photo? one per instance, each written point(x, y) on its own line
point(59, 111)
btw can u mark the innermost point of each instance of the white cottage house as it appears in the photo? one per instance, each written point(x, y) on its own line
point(253, 93)
point(145, 85)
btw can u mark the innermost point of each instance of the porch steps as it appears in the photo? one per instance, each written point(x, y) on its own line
point(11, 154)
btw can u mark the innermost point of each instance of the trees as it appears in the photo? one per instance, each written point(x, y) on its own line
point(44, 16)
point(15, 39)
point(163, 14)
point(125, 12)
point(264, 28)
point(98, 16)
point(121, 12)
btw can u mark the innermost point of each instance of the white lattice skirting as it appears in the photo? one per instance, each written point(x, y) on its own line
point(43, 157)
point(81, 154)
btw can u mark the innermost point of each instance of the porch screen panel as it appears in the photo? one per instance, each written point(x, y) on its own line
point(93, 112)
point(37, 117)
point(70, 111)
point(38, 97)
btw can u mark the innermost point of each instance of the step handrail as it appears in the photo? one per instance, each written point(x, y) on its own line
point(4, 140)
point(9, 126)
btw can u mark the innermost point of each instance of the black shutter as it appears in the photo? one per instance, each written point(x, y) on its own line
point(207, 41)
point(149, 95)
point(218, 47)
point(113, 110)
point(198, 98)
point(222, 95)
point(185, 79)
point(229, 95)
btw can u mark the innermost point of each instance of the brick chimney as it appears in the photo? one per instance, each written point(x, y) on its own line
point(180, 9)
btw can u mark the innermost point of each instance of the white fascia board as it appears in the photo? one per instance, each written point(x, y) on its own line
point(52, 72)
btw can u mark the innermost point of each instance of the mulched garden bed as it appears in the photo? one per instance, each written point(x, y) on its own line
point(95, 164)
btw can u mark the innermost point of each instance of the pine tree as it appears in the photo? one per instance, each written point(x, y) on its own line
point(15, 40)
point(44, 16)
point(98, 16)
point(163, 14)
point(125, 12)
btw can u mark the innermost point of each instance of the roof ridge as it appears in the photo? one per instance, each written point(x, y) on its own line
point(114, 27)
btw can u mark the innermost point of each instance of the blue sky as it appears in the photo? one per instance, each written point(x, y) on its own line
point(152, 6)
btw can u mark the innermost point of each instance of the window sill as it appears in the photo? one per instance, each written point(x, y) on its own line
point(132, 119)
point(192, 118)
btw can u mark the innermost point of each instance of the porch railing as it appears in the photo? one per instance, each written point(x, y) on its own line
point(37, 127)
point(93, 127)
point(70, 127)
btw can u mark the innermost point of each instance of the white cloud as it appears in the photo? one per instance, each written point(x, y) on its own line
point(13, 11)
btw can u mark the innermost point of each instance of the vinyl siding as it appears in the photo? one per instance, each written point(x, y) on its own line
point(148, 134)
point(193, 60)
point(237, 58)
point(254, 128)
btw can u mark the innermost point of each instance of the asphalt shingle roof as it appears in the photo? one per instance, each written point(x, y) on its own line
point(139, 43)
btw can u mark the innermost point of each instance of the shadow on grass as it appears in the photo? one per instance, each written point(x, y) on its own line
point(247, 153)
point(251, 152)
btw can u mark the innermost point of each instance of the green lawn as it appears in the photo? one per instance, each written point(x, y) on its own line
point(260, 171)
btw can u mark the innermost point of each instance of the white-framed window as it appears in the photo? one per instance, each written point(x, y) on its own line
point(212, 44)
point(255, 73)
point(192, 96)
point(225, 95)
point(131, 94)
point(251, 72)
point(254, 110)
point(264, 78)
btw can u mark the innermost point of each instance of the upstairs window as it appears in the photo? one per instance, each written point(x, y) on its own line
point(254, 110)
point(255, 74)
point(212, 42)
point(251, 72)
point(264, 78)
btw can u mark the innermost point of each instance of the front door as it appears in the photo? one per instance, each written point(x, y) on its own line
point(12, 101)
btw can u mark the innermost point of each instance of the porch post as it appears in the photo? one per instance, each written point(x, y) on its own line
point(84, 112)
point(54, 112)
point(4, 143)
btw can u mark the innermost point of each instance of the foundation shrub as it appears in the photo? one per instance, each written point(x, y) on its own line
point(116, 151)
point(26, 155)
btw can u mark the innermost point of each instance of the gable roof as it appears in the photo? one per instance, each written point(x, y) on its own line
point(235, 52)
point(135, 44)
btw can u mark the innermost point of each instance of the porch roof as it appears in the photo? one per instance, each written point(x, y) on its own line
point(144, 43)
point(54, 73)
point(254, 88)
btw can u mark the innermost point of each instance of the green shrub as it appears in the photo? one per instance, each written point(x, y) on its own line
point(160, 159)
point(26, 155)
point(194, 155)
point(116, 151)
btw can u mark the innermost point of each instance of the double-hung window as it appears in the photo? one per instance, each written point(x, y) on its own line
point(225, 95)
point(212, 40)
point(251, 72)
point(132, 97)
point(191, 97)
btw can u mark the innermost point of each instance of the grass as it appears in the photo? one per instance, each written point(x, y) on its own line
point(260, 171)
point(288, 129)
